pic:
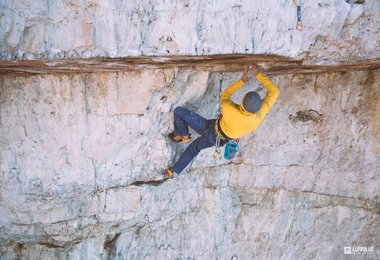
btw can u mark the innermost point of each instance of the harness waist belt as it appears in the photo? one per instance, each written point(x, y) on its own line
point(219, 129)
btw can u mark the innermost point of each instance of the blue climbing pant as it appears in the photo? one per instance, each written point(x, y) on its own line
point(183, 119)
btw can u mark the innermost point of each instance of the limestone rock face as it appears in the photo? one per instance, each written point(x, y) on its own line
point(78, 152)
point(335, 30)
point(83, 141)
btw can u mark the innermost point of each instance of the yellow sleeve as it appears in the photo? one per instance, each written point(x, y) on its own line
point(225, 98)
point(271, 96)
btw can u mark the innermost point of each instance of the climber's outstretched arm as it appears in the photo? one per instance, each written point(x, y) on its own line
point(272, 91)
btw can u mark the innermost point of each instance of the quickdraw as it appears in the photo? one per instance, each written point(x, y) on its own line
point(300, 25)
point(217, 146)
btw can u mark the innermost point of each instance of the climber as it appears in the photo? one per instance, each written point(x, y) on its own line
point(235, 122)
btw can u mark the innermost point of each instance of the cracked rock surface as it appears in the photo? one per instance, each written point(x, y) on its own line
point(87, 90)
point(82, 154)
point(335, 30)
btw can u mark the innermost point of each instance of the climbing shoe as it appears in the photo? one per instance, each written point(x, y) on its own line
point(169, 173)
point(179, 139)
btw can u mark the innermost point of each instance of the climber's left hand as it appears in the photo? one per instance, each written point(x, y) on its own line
point(245, 77)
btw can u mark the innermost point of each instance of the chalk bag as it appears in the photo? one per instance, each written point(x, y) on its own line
point(230, 150)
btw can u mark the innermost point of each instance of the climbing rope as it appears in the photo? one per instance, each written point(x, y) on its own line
point(217, 141)
point(300, 26)
point(220, 77)
point(232, 147)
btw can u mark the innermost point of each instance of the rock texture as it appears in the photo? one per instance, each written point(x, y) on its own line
point(87, 90)
point(275, 65)
point(335, 30)
point(78, 152)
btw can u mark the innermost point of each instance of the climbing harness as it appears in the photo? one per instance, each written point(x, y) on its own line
point(300, 26)
point(232, 146)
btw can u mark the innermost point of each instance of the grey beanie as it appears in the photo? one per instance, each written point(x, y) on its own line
point(252, 102)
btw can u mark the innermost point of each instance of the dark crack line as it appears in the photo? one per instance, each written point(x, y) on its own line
point(148, 182)
point(138, 183)
point(371, 203)
point(226, 62)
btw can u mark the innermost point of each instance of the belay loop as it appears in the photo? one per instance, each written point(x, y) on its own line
point(217, 146)
point(218, 137)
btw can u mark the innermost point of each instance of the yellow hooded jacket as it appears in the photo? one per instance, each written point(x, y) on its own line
point(236, 122)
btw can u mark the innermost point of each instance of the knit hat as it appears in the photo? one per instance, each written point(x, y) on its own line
point(251, 102)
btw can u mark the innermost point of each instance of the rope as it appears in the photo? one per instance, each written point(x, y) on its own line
point(220, 77)
point(217, 144)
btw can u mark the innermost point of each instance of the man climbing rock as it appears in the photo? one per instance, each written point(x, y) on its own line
point(235, 122)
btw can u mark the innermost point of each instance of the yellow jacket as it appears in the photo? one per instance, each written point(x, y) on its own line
point(236, 122)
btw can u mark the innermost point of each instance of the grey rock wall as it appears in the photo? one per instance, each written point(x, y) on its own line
point(335, 31)
point(78, 152)
point(81, 153)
